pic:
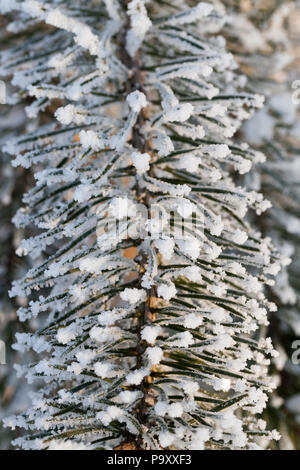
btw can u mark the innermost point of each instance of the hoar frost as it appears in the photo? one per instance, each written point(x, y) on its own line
point(151, 332)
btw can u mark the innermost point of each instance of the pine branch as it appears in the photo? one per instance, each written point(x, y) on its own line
point(153, 282)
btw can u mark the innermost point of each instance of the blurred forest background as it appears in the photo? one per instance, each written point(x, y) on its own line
point(264, 36)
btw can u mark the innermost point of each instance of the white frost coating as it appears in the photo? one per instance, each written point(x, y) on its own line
point(200, 437)
point(112, 413)
point(166, 438)
point(222, 384)
point(194, 14)
point(183, 340)
point(218, 315)
point(216, 110)
point(221, 151)
point(90, 139)
point(83, 34)
point(163, 144)
point(141, 161)
point(190, 388)
point(82, 193)
point(65, 335)
point(161, 408)
point(180, 113)
point(193, 273)
point(137, 101)
point(112, 9)
point(32, 8)
point(193, 320)
point(175, 410)
point(154, 355)
point(185, 208)
point(67, 445)
point(104, 369)
point(166, 247)
point(222, 342)
point(189, 162)
point(190, 246)
point(85, 357)
point(128, 396)
point(166, 291)
point(91, 171)
point(243, 167)
point(121, 207)
point(109, 317)
point(140, 23)
point(136, 377)
point(133, 296)
point(240, 237)
point(150, 333)
point(101, 335)
point(217, 227)
point(66, 115)
point(91, 265)
point(8, 5)
point(26, 341)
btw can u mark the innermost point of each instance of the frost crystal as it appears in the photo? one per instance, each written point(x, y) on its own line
point(141, 162)
point(137, 101)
